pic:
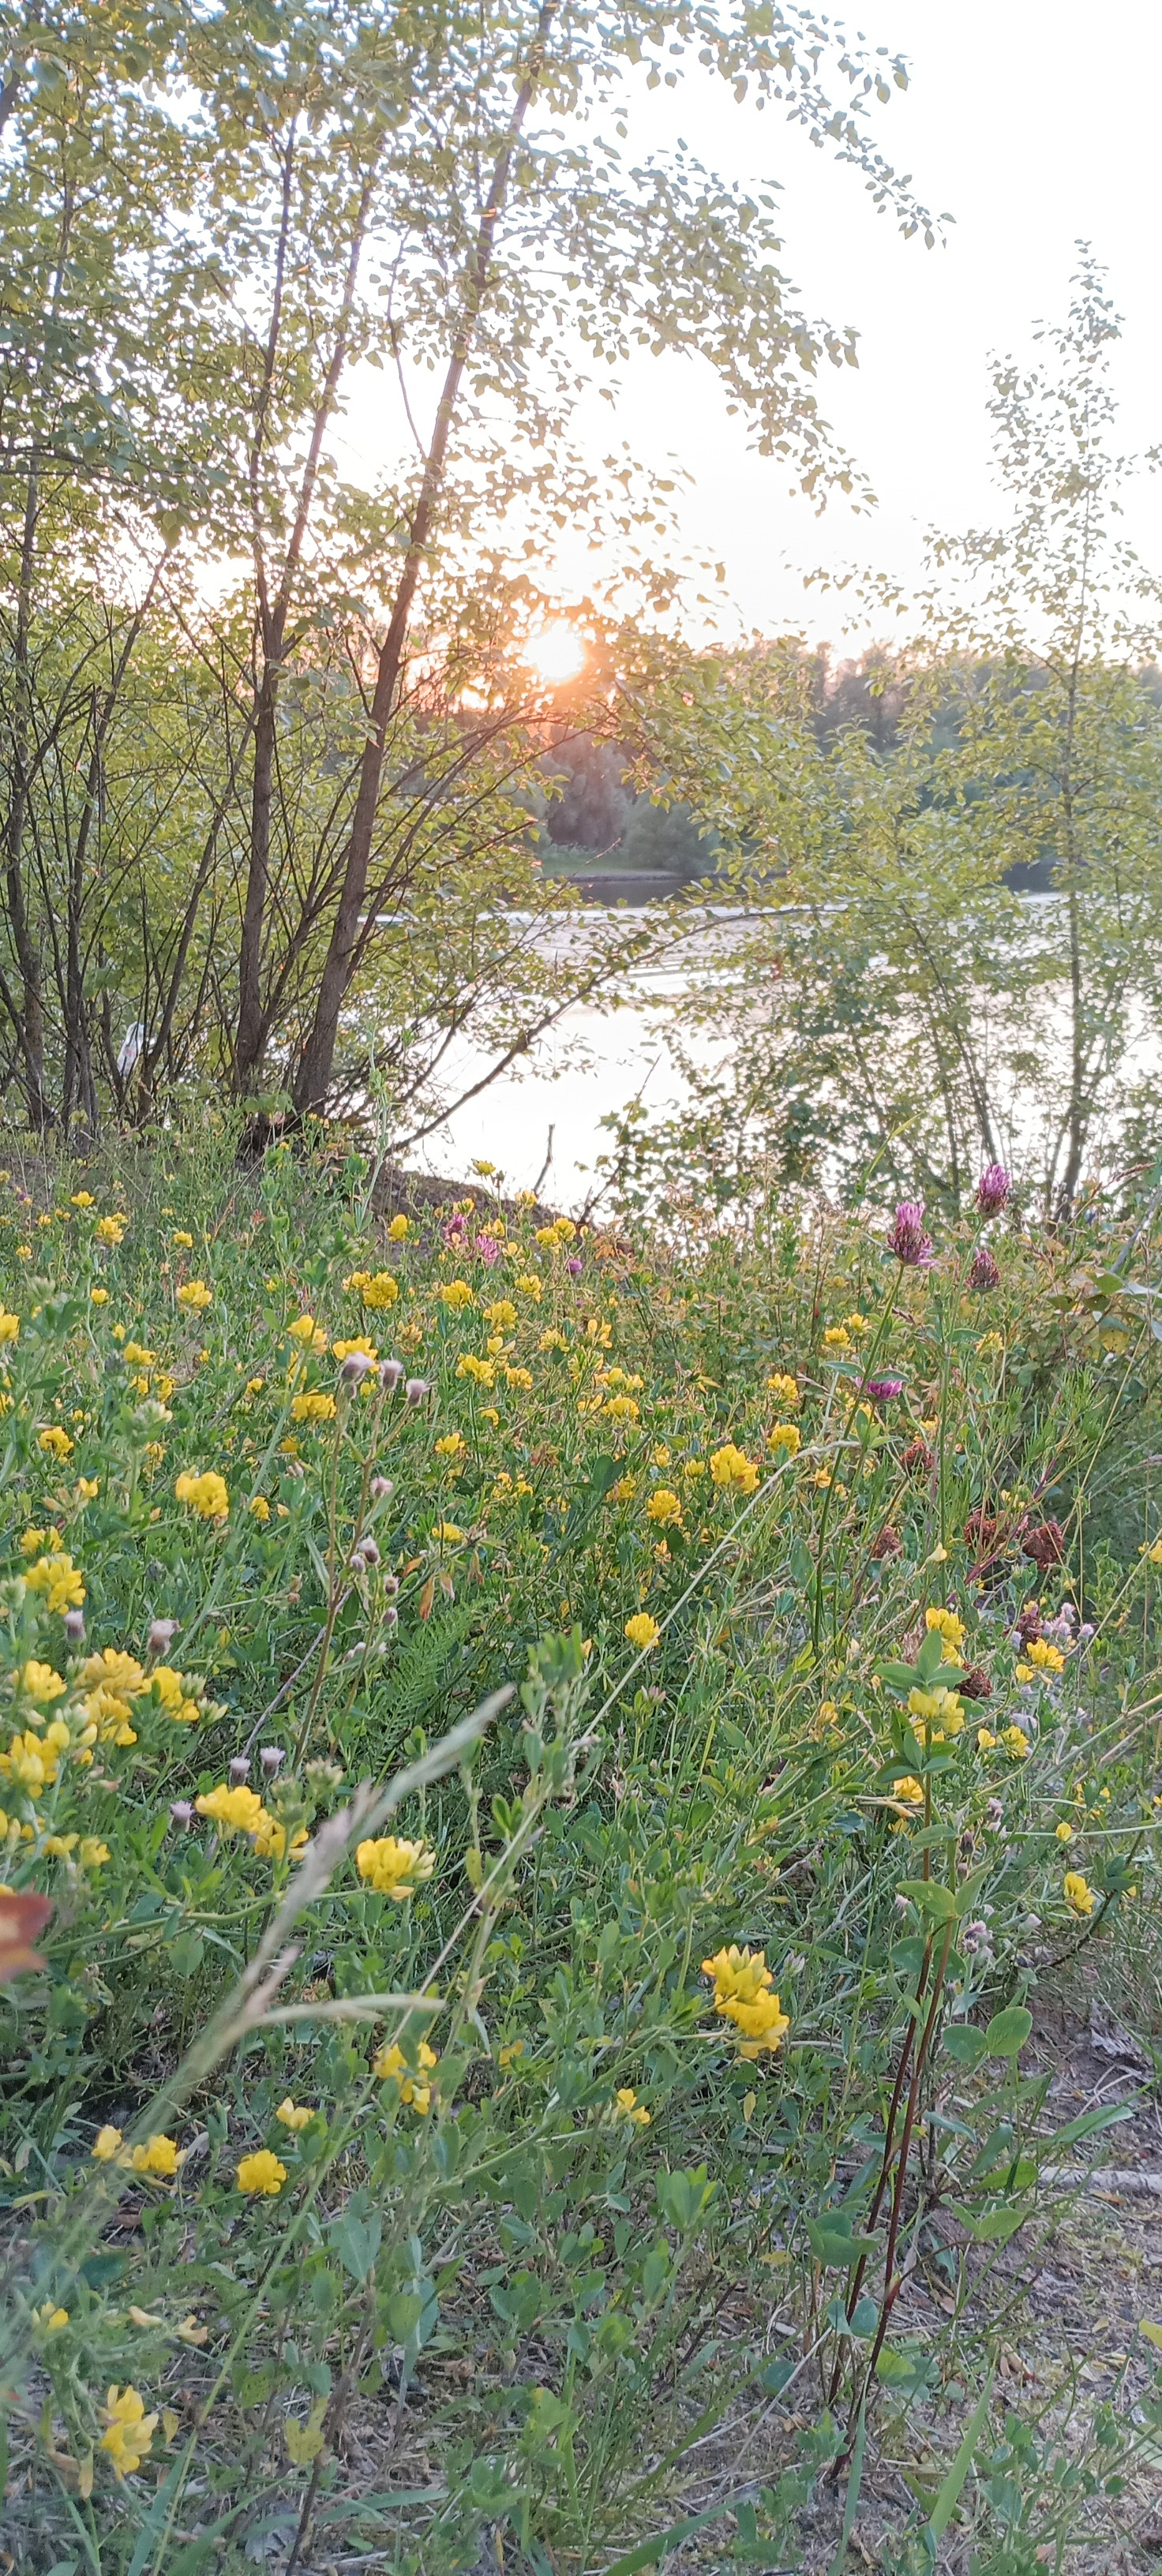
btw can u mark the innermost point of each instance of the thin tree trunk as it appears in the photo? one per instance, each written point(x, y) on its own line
point(317, 1058)
point(30, 1010)
point(273, 616)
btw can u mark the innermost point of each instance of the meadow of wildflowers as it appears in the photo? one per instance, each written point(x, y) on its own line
point(543, 1783)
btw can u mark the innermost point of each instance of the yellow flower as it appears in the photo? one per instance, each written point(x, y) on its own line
point(195, 1296)
point(258, 1507)
point(950, 1628)
point(313, 1408)
point(447, 1533)
point(1153, 1555)
point(856, 1323)
point(241, 1811)
point(482, 1372)
point(502, 1315)
point(106, 2145)
point(55, 1442)
point(520, 1378)
point(909, 1790)
point(397, 1230)
point(30, 1762)
point(552, 1340)
point(111, 1229)
point(936, 1708)
point(1046, 1657)
point(112, 1670)
point(1064, 1832)
point(621, 1408)
point(988, 1345)
point(785, 1435)
point(530, 1286)
point(88, 1488)
point(786, 1388)
point(83, 1199)
point(452, 1445)
point(392, 2067)
point(743, 1995)
point(456, 1295)
point(628, 2107)
point(137, 1356)
point(93, 1853)
point(170, 1688)
point(24, 1252)
point(1016, 1742)
point(693, 1468)
point(159, 2155)
point(1078, 1893)
point(50, 2319)
point(9, 1327)
point(130, 2430)
point(293, 2115)
point(361, 1348)
point(985, 1739)
point(394, 1867)
point(182, 1242)
point(261, 2172)
point(205, 1494)
point(837, 1338)
point(379, 1288)
point(40, 1682)
point(663, 1507)
point(732, 1470)
point(641, 1630)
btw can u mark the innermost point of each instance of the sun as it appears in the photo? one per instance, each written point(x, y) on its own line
point(557, 653)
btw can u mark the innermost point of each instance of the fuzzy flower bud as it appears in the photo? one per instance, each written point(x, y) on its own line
point(355, 1368)
point(416, 1389)
point(181, 1814)
point(368, 1550)
point(238, 1770)
point(390, 1373)
point(161, 1636)
point(75, 1626)
point(984, 1272)
point(908, 1240)
point(272, 1757)
point(993, 1189)
point(381, 1489)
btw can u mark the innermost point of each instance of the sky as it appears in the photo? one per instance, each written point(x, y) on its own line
point(1033, 123)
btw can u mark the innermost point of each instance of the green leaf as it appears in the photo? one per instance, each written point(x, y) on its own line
point(1008, 2031)
point(834, 2245)
point(965, 2046)
point(948, 2495)
point(930, 1897)
point(900, 1677)
point(992, 2226)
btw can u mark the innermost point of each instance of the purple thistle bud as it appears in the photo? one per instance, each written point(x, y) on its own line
point(993, 1189)
point(238, 1770)
point(984, 1272)
point(390, 1373)
point(416, 1389)
point(355, 1368)
point(181, 1814)
point(882, 1390)
point(391, 1617)
point(272, 1757)
point(574, 1267)
point(908, 1240)
point(75, 1626)
point(161, 1635)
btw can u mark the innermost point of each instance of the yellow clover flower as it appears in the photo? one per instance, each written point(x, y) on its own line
point(642, 1631)
point(393, 1866)
point(205, 1494)
point(130, 2430)
point(261, 2173)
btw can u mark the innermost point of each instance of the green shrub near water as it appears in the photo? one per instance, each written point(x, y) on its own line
point(385, 2171)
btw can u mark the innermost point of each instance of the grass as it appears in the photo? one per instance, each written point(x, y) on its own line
point(387, 2179)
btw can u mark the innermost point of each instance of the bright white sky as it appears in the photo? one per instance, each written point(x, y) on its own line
point(1034, 125)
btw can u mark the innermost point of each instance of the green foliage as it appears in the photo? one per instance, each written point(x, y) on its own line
point(610, 2074)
